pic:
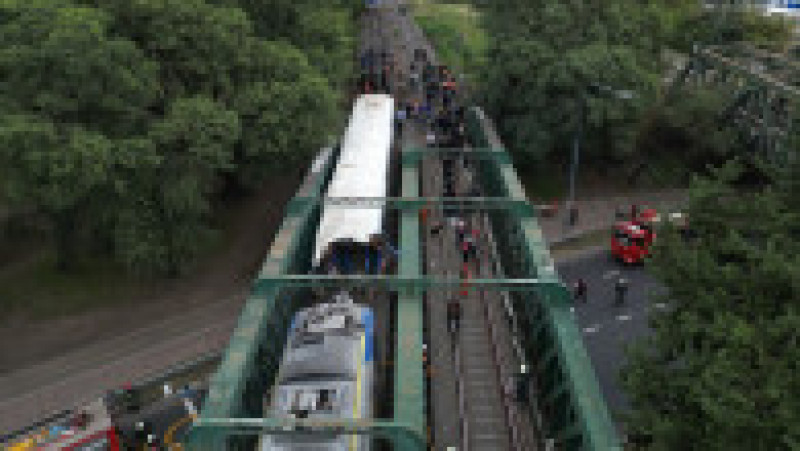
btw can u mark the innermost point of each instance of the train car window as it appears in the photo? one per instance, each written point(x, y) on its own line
point(325, 402)
point(316, 377)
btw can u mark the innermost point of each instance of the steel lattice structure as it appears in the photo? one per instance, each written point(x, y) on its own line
point(575, 409)
point(764, 88)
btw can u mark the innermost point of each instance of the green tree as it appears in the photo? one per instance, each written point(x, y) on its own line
point(196, 45)
point(284, 120)
point(56, 170)
point(720, 370)
point(688, 130)
point(60, 62)
point(544, 56)
point(325, 32)
point(165, 219)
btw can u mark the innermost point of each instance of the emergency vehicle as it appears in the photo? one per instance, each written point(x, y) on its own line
point(90, 429)
point(631, 239)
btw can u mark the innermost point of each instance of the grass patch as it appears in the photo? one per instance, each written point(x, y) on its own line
point(455, 31)
point(38, 290)
point(32, 287)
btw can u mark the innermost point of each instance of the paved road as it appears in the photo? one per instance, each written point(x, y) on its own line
point(72, 379)
point(607, 328)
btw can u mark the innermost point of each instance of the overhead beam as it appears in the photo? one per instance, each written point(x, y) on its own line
point(521, 206)
point(397, 282)
point(416, 154)
point(400, 432)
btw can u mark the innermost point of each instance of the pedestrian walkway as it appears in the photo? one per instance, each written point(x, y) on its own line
point(599, 214)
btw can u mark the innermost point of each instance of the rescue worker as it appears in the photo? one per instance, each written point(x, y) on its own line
point(430, 138)
point(621, 289)
point(580, 290)
point(465, 249)
point(476, 235)
point(400, 117)
point(453, 316)
point(573, 215)
point(423, 215)
point(460, 230)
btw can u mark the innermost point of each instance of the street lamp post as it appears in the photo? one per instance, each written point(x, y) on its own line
point(594, 89)
point(576, 150)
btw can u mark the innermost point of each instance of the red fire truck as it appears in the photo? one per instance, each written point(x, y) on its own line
point(89, 429)
point(631, 239)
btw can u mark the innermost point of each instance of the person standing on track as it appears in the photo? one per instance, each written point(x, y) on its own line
point(431, 138)
point(400, 117)
point(453, 317)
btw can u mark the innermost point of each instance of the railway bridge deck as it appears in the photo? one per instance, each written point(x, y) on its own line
point(515, 310)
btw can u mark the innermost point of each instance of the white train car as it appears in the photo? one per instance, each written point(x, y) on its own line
point(362, 171)
point(326, 373)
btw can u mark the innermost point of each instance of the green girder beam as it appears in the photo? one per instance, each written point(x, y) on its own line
point(416, 154)
point(584, 420)
point(409, 388)
point(227, 387)
point(399, 282)
point(592, 428)
point(396, 431)
point(519, 206)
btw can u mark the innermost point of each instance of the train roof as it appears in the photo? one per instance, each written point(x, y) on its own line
point(322, 401)
point(362, 171)
point(325, 343)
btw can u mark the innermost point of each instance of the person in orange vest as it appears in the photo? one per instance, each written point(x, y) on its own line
point(423, 215)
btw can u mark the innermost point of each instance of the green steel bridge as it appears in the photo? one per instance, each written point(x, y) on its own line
point(567, 390)
point(764, 88)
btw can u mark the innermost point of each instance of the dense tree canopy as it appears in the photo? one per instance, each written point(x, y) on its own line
point(547, 57)
point(127, 118)
point(544, 58)
point(721, 369)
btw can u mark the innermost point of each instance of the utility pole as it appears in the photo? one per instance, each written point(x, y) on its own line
point(576, 150)
point(593, 89)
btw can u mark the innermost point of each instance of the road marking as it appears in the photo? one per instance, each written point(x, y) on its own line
point(611, 273)
point(660, 305)
point(591, 329)
point(623, 317)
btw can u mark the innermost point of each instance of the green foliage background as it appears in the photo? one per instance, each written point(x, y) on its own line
point(544, 56)
point(122, 121)
point(720, 371)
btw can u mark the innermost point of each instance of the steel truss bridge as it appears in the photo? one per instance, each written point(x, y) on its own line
point(564, 382)
point(764, 88)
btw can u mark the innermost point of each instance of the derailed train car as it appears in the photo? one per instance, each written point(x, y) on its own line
point(351, 238)
point(326, 373)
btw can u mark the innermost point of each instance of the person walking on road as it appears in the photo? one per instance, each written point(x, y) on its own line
point(453, 316)
point(580, 291)
point(621, 289)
